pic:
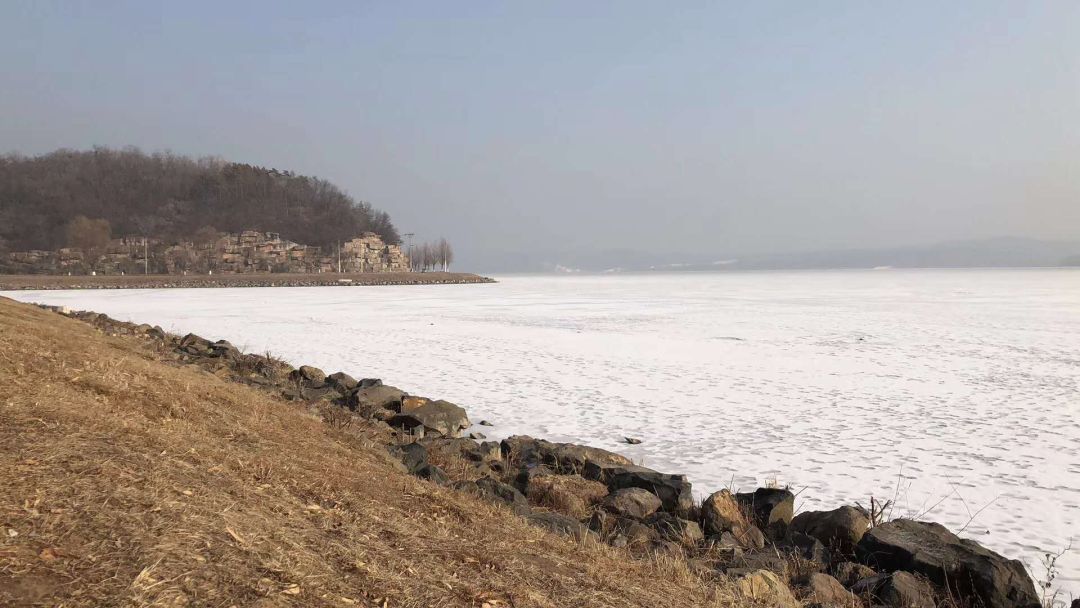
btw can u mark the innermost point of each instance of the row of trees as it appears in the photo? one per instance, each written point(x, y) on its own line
point(169, 197)
point(437, 255)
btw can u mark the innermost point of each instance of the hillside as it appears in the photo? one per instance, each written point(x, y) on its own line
point(171, 197)
point(130, 480)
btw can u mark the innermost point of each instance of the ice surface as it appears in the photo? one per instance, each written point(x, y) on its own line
point(960, 387)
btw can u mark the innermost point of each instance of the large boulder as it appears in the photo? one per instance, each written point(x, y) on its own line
point(497, 492)
point(308, 377)
point(674, 491)
point(195, 345)
point(568, 458)
point(849, 573)
point(770, 508)
point(840, 529)
point(808, 549)
point(674, 529)
point(766, 588)
point(632, 502)
point(965, 567)
point(897, 590)
point(369, 400)
point(413, 455)
point(825, 590)
point(341, 382)
point(440, 417)
point(721, 513)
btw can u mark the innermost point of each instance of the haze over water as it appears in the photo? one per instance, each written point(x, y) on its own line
point(959, 387)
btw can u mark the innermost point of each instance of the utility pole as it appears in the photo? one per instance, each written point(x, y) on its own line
point(145, 257)
point(339, 257)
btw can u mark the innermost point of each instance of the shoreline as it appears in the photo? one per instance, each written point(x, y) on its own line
point(54, 282)
point(852, 552)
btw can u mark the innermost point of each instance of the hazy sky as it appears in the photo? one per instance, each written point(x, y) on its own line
point(573, 126)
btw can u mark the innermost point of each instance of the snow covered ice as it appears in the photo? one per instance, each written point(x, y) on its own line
point(954, 392)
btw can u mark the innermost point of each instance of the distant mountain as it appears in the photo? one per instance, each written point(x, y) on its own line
point(982, 253)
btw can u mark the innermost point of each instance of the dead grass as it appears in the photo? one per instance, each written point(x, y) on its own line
point(567, 494)
point(130, 482)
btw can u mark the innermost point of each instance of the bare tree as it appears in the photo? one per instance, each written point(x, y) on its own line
point(205, 235)
point(89, 236)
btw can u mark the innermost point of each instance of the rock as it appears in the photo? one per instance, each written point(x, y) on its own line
point(195, 345)
point(441, 417)
point(745, 563)
point(223, 349)
point(750, 537)
point(897, 590)
point(632, 502)
point(631, 440)
point(674, 529)
point(563, 457)
point(412, 402)
point(526, 475)
point(477, 436)
point(499, 492)
point(309, 377)
point(809, 549)
point(560, 524)
point(369, 382)
point(485, 423)
point(612, 527)
point(341, 382)
point(849, 573)
point(673, 491)
point(433, 473)
point(412, 455)
point(770, 509)
point(314, 394)
point(721, 513)
point(826, 590)
point(491, 451)
point(570, 495)
point(667, 547)
point(840, 529)
point(965, 567)
point(371, 399)
point(767, 588)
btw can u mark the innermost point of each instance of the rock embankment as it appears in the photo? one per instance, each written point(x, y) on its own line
point(816, 558)
point(36, 282)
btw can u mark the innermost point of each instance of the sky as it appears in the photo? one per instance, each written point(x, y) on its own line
point(533, 130)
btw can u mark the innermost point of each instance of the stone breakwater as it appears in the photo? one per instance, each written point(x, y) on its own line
point(41, 282)
point(840, 557)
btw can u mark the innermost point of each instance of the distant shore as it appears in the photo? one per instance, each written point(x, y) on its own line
point(41, 281)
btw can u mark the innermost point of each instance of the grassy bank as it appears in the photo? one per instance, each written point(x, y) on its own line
point(130, 479)
point(21, 282)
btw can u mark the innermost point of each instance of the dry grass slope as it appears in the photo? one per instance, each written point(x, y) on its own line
point(130, 482)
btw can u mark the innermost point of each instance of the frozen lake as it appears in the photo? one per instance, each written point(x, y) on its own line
point(961, 384)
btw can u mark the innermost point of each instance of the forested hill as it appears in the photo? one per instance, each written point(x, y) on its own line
point(168, 196)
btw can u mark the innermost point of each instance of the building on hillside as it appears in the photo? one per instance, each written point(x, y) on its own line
point(247, 252)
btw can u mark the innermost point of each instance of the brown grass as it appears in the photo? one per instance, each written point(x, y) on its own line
point(567, 494)
point(129, 482)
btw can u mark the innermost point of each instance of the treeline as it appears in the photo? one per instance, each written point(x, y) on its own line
point(431, 256)
point(171, 197)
